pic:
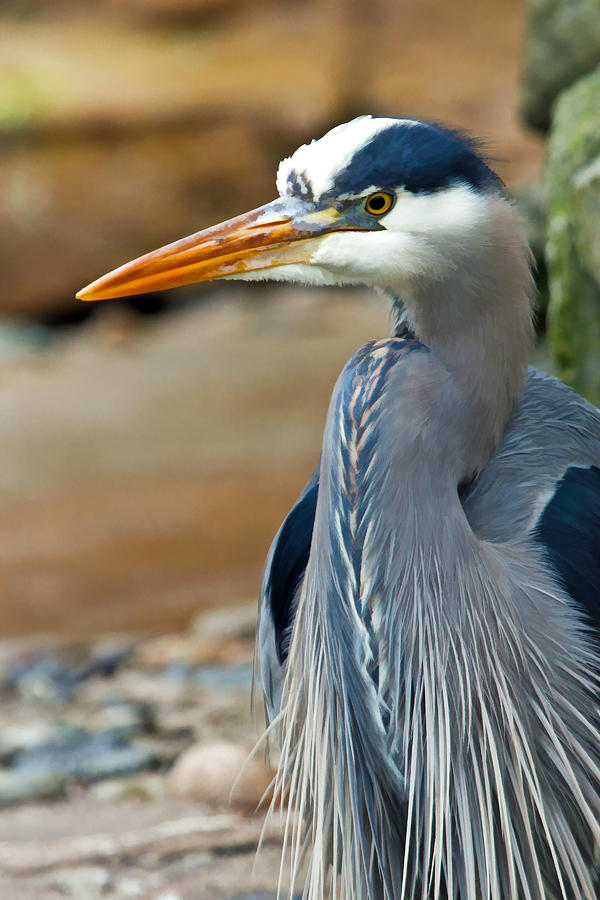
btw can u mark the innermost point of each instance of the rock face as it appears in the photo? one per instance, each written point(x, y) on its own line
point(563, 44)
point(573, 245)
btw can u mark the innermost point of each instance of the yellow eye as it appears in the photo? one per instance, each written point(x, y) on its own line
point(379, 203)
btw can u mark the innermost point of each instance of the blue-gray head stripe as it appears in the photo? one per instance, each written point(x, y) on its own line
point(419, 156)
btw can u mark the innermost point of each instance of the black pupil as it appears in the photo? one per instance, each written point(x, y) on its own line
point(377, 202)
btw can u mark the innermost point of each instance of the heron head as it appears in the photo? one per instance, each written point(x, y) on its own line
point(376, 201)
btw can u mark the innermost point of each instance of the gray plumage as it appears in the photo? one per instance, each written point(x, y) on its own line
point(435, 694)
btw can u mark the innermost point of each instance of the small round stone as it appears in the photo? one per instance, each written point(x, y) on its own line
point(208, 772)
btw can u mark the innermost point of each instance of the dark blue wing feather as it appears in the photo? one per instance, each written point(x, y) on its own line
point(288, 563)
point(569, 528)
point(283, 574)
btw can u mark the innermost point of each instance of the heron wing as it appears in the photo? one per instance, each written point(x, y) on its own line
point(569, 528)
point(282, 578)
point(544, 483)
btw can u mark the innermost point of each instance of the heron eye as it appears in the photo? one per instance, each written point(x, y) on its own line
point(379, 203)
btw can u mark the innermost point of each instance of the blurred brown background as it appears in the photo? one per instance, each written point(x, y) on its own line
point(146, 461)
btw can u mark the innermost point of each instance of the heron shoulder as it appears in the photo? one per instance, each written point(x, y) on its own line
point(552, 429)
point(544, 484)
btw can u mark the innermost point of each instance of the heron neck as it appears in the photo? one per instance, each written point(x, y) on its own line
point(478, 320)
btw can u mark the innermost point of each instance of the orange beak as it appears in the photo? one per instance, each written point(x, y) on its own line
point(277, 234)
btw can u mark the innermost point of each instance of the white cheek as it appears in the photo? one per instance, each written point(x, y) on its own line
point(454, 212)
point(423, 236)
point(381, 258)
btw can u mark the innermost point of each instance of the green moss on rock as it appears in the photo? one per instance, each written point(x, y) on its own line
point(573, 241)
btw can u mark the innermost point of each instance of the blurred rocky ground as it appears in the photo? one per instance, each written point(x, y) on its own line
point(128, 123)
point(141, 747)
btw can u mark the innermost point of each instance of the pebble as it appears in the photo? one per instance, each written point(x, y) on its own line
point(151, 688)
point(43, 679)
point(166, 749)
point(122, 717)
point(26, 786)
point(48, 679)
point(102, 663)
point(173, 649)
point(176, 722)
point(83, 883)
point(225, 676)
point(86, 758)
point(130, 887)
point(209, 772)
point(143, 787)
point(186, 865)
point(227, 623)
point(19, 735)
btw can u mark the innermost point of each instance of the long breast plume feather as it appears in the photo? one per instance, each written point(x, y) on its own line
point(439, 725)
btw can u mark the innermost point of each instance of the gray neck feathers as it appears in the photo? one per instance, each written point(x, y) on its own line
point(477, 318)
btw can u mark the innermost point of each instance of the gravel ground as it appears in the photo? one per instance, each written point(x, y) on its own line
point(117, 762)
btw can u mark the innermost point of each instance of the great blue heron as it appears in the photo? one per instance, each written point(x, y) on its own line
point(429, 605)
